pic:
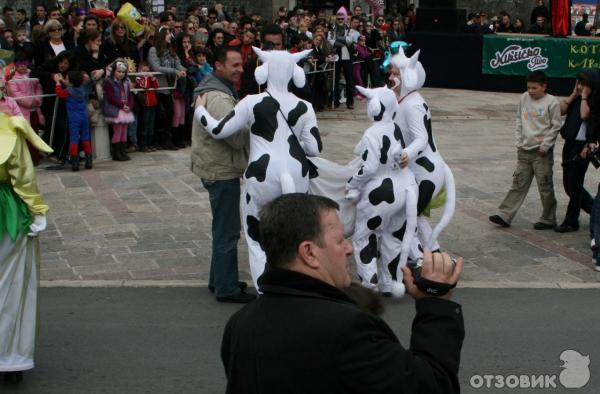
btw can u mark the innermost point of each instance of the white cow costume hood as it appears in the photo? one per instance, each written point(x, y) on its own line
point(412, 73)
point(283, 132)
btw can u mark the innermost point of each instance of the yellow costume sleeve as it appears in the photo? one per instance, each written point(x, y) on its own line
point(17, 166)
point(22, 176)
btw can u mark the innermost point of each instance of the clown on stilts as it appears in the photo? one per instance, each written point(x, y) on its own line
point(22, 216)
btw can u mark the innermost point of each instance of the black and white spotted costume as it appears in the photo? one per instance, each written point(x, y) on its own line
point(277, 157)
point(431, 172)
point(386, 196)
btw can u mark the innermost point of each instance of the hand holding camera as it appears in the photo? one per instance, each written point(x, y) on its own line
point(436, 277)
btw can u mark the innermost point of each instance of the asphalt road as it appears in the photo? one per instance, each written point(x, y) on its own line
point(153, 340)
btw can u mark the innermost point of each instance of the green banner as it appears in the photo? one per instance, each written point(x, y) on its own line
point(557, 57)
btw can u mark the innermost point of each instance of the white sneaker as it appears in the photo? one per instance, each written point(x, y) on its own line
point(597, 267)
point(593, 243)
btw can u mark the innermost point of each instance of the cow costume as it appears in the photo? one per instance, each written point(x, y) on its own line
point(386, 196)
point(283, 132)
point(432, 174)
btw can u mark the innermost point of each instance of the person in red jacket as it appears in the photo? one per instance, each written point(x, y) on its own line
point(147, 110)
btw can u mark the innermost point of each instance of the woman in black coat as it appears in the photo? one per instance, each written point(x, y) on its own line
point(90, 54)
point(53, 44)
point(61, 64)
point(119, 45)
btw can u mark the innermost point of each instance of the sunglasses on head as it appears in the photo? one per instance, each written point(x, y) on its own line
point(119, 27)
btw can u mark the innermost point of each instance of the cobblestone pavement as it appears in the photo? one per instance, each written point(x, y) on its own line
point(149, 218)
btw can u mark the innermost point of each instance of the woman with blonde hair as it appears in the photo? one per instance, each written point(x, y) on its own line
point(396, 31)
point(119, 43)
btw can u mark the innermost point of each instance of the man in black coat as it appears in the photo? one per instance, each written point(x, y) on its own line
point(304, 334)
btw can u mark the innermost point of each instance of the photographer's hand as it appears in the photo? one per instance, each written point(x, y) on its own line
point(437, 267)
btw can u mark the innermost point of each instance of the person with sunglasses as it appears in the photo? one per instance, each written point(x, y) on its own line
point(54, 44)
point(341, 39)
point(120, 44)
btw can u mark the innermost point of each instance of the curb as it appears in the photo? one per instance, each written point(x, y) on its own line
point(203, 283)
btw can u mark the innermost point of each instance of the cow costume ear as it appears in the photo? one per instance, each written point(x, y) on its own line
point(414, 59)
point(262, 55)
point(410, 74)
point(299, 76)
point(261, 73)
point(375, 108)
point(301, 55)
point(368, 93)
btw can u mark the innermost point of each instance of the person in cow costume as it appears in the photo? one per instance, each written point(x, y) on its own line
point(421, 155)
point(283, 132)
point(386, 196)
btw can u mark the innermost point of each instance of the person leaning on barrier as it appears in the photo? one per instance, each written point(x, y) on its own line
point(304, 334)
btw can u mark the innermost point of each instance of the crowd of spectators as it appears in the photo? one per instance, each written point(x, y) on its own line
point(539, 23)
point(181, 47)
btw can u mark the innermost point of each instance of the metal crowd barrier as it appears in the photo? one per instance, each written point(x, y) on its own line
point(56, 102)
point(333, 84)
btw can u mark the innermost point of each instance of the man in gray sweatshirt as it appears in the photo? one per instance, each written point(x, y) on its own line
point(220, 164)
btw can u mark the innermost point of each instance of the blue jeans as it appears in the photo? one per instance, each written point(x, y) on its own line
point(595, 225)
point(146, 117)
point(226, 226)
point(132, 131)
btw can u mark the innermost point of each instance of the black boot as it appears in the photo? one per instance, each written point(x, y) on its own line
point(115, 151)
point(13, 377)
point(88, 162)
point(123, 150)
point(75, 163)
point(178, 137)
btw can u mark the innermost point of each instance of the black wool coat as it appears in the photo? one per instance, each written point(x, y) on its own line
point(305, 336)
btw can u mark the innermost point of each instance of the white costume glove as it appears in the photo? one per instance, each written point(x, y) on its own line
point(353, 195)
point(39, 224)
point(396, 155)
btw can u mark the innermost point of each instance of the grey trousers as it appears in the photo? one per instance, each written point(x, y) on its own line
point(529, 165)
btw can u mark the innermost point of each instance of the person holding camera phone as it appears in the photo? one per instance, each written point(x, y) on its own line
point(577, 109)
point(306, 334)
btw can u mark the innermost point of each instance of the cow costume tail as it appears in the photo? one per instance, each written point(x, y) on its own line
point(449, 207)
point(412, 197)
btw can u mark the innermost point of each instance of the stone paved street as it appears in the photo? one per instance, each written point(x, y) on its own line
point(149, 218)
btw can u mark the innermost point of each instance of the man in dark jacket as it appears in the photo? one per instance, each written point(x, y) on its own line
point(306, 335)
point(580, 28)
